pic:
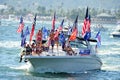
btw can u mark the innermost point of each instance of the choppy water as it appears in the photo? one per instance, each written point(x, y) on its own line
point(11, 69)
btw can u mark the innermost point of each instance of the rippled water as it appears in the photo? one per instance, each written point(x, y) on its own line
point(11, 69)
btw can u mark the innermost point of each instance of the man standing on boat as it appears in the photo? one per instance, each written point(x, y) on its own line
point(56, 38)
point(62, 40)
point(39, 42)
point(39, 38)
point(52, 39)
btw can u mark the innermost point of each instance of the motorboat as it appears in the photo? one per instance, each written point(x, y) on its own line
point(76, 55)
point(116, 32)
point(83, 59)
point(98, 27)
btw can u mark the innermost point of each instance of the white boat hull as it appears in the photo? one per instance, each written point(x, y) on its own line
point(67, 64)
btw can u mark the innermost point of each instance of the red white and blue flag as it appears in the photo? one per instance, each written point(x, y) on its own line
point(61, 25)
point(98, 38)
point(59, 29)
point(33, 28)
point(53, 22)
point(21, 25)
point(86, 32)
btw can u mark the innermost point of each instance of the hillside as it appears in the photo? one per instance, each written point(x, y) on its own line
point(65, 4)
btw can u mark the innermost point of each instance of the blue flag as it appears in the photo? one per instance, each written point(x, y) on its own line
point(23, 39)
point(45, 33)
point(23, 42)
point(22, 34)
point(87, 35)
point(62, 38)
point(84, 52)
point(27, 31)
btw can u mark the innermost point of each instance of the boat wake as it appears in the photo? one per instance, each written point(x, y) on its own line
point(111, 68)
point(10, 44)
point(21, 67)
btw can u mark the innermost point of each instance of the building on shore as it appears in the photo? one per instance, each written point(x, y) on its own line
point(104, 18)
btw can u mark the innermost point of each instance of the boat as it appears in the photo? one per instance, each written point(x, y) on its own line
point(85, 58)
point(98, 27)
point(116, 32)
point(76, 55)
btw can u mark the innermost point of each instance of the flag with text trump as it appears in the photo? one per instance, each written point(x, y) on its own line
point(21, 25)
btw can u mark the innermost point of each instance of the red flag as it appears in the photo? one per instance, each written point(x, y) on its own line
point(32, 32)
point(21, 25)
point(73, 35)
point(74, 30)
point(33, 28)
point(53, 22)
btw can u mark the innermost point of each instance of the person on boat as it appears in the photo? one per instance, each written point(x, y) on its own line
point(28, 49)
point(39, 49)
point(33, 46)
point(39, 38)
point(69, 50)
point(52, 39)
point(25, 51)
point(56, 38)
point(45, 47)
point(62, 40)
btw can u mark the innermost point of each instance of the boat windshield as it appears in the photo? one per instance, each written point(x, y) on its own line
point(78, 44)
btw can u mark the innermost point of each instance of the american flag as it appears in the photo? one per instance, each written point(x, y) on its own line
point(61, 25)
point(86, 25)
point(21, 25)
point(33, 28)
point(98, 38)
